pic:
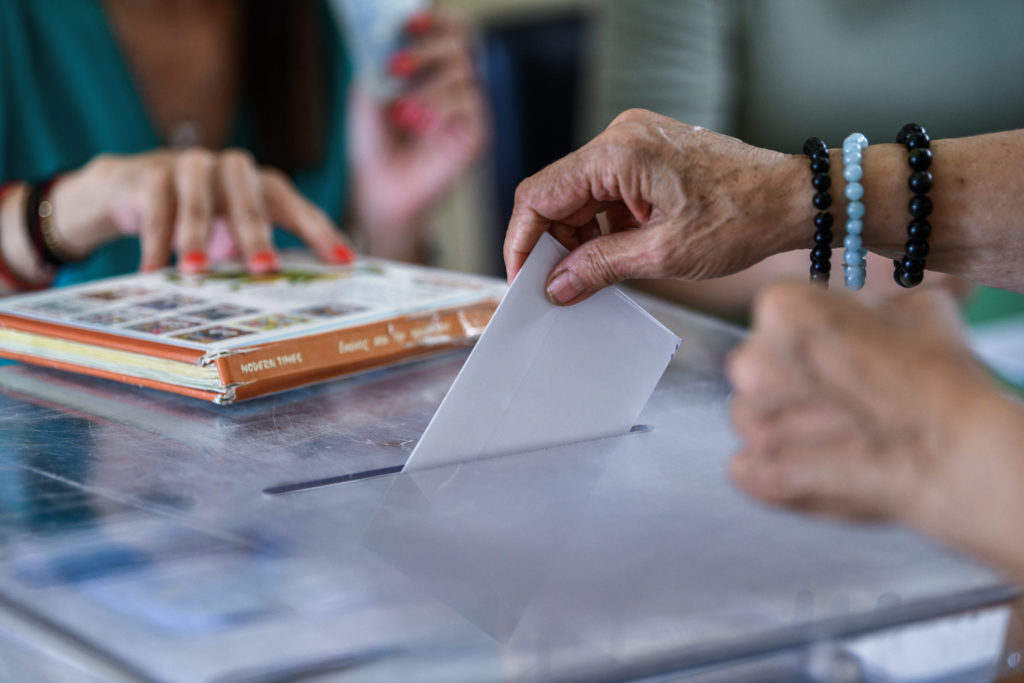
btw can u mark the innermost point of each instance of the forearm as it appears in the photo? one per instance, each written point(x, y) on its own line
point(978, 197)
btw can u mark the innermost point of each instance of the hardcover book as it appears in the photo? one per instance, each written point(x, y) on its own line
point(227, 335)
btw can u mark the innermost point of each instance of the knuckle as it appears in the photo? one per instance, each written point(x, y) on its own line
point(156, 179)
point(276, 176)
point(524, 191)
point(597, 265)
point(236, 158)
point(631, 115)
point(252, 216)
point(104, 163)
point(195, 211)
point(197, 158)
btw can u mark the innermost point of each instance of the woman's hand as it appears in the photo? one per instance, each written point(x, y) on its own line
point(878, 412)
point(408, 152)
point(679, 201)
point(197, 203)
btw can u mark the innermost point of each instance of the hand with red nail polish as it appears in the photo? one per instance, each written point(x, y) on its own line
point(197, 203)
point(403, 64)
point(408, 152)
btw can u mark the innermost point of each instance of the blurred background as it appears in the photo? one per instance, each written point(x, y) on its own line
point(770, 72)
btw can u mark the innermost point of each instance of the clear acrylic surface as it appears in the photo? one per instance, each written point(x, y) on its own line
point(153, 537)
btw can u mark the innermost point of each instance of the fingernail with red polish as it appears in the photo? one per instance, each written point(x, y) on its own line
point(403, 64)
point(419, 24)
point(404, 113)
point(342, 255)
point(263, 262)
point(193, 262)
point(564, 287)
point(424, 120)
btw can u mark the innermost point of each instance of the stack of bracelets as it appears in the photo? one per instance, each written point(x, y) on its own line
point(39, 223)
point(909, 270)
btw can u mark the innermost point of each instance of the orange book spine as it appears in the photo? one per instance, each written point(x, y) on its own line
point(257, 370)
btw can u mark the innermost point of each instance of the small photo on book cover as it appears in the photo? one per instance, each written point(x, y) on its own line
point(165, 325)
point(119, 316)
point(274, 321)
point(223, 312)
point(172, 302)
point(209, 335)
point(117, 293)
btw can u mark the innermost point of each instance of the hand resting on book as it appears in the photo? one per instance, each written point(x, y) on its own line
point(174, 199)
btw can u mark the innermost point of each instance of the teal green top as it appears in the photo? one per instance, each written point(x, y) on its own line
point(67, 94)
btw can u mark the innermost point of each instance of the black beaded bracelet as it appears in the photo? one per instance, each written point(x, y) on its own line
point(821, 254)
point(909, 271)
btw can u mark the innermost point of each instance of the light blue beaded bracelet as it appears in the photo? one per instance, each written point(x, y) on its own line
point(855, 264)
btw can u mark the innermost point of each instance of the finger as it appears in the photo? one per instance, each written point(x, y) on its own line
point(157, 218)
point(766, 381)
point(438, 103)
point(428, 55)
point(808, 423)
point(812, 478)
point(571, 190)
point(288, 208)
point(193, 184)
point(606, 260)
point(242, 195)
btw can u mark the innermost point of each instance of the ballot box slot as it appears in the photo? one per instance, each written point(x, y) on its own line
point(295, 487)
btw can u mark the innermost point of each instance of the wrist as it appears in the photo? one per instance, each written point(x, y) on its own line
point(789, 223)
point(82, 211)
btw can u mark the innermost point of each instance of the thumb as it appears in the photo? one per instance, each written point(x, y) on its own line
point(603, 261)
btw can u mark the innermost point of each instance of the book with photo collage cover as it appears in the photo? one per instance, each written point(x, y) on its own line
point(228, 335)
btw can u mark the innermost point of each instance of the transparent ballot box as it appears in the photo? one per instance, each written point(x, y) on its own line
point(151, 537)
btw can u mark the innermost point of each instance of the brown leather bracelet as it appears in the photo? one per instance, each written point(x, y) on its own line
point(7, 274)
point(42, 228)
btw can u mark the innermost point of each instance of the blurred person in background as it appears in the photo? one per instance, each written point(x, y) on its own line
point(775, 73)
point(147, 129)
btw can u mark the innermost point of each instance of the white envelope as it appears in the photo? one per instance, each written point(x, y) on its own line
point(543, 375)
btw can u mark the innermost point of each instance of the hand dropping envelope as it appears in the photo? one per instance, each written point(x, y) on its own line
point(543, 375)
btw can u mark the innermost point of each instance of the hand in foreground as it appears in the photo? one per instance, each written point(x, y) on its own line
point(408, 152)
point(173, 200)
point(878, 413)
point(679, 201)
